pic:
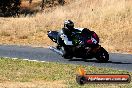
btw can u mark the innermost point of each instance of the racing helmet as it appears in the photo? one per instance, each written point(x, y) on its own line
point(68, 24)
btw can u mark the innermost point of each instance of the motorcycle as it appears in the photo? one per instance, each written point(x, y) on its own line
point(84, 52)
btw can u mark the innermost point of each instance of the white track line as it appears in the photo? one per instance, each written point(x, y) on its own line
point(23, 59)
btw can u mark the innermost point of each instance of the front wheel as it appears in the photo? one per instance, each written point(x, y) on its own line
point(102, 55)
point(66, 53)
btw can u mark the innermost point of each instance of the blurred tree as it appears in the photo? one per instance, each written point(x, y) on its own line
point(30, 1)
point(12, 7)
point(61, 2)
point(9, 7)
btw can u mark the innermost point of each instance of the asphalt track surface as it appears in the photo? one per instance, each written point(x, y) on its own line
point(117, 61)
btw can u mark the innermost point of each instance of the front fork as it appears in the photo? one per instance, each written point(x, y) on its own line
point(55, 50)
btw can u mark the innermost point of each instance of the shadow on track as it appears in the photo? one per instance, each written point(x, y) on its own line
point(96, 61)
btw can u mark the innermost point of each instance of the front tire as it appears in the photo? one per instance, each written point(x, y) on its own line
point(102, 55)
point(67, 56)
point(66, 53)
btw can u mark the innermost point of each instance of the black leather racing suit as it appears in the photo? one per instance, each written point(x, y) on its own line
point(65, 37)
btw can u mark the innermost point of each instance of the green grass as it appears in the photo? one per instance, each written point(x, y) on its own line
point(27, 71)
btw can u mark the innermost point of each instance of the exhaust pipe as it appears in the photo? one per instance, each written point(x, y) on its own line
point(55, 50)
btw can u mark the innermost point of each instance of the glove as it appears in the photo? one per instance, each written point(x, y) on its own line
point(63, 37)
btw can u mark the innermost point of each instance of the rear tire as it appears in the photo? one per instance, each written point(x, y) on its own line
point(102, 55)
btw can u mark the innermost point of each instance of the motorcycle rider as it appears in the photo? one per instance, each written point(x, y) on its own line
point(66, 35)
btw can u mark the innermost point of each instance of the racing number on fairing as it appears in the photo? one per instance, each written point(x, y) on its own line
point(93, 40)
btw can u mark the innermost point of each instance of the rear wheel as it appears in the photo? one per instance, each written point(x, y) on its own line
point(102, 55)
